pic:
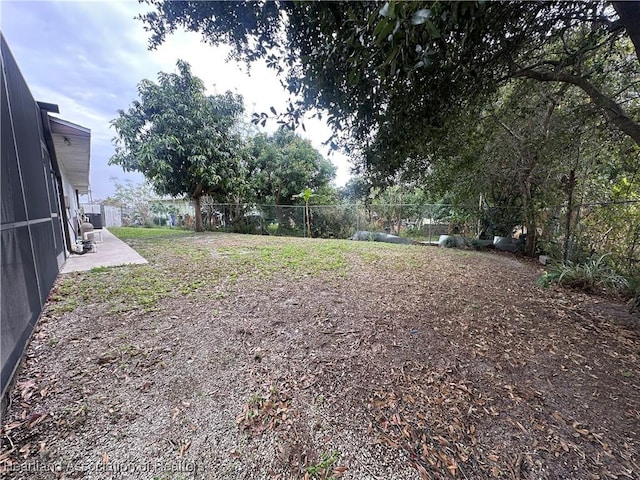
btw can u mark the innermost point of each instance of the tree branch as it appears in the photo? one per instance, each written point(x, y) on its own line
point(510, 131)
point(614, 112)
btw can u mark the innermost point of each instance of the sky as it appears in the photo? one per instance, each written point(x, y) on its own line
point(88, 57)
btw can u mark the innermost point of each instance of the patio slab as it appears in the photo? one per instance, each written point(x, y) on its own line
point(111, 252)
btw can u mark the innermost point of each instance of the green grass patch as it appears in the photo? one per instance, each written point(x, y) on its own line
point(323, 470)
point(136, 287)
point(211, 264)
point(177, 267)
point(128, 233)
point(297, 259)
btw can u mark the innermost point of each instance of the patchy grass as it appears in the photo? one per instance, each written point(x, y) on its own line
point(169, 274)
point(296, 259)
point(120, 289)
point(324, 469)
point(268, 357)
point(129, 233)
point(182, 265)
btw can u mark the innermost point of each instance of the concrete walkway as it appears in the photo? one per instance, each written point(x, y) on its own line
point(110, 252)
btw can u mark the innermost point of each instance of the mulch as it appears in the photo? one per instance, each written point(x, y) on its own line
point(426, 363)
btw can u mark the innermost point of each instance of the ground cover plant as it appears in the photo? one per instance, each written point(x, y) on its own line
point(263, 357)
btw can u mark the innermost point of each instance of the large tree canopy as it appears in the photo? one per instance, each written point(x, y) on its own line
point(282, 165)
point(183, 141)
point(391, 74)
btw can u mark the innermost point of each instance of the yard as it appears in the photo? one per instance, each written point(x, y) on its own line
point(251, 357)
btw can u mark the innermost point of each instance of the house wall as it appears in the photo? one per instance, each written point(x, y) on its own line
point(72, 205)
point(30, 217)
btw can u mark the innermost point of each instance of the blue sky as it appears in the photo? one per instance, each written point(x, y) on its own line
point(87, 57)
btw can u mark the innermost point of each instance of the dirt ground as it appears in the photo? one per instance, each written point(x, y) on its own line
point(271, 358)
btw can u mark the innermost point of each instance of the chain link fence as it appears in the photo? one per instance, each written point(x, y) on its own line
point(609, 228)
point(328, 221)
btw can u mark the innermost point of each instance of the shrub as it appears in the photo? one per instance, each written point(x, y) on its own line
point(477, 244)
point(593, 276)
point(412, 232)
point(333, 222)
point(250, 227)
point(272, 228)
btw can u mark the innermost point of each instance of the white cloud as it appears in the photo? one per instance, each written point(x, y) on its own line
point(88, 57)
point(260, 88)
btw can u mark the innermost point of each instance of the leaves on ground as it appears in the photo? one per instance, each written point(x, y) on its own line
point(254, 360)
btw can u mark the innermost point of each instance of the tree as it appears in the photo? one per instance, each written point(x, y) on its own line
point(357, 189)
point(396, 203)
point(391, 74)
point(629, 13)
point(134, 200)
point(538, 157)
point(306, 195)
point(180, 139)
point(283, 164)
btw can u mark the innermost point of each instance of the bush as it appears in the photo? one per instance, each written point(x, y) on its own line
point(412, 232)
point(478, 244)
point(272, 228)
point(245, 226)
point(332, 222)
point(592, 276)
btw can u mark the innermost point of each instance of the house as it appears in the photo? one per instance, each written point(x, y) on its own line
point(44, 168)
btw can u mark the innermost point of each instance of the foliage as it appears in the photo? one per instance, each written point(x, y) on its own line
point(272, 228)
point(514, 168)
point(477, 244)
point(282, 165)
point(306, 195)
point(180, 139)
point(135, 201)
point(356, 190)
point(450, 242)
point(333, 221)
point(615, 225)
point(162, 211)
point(323, 470)
point(282, 170)
point(594, 275)
point(391, 74)
point(495, 101)
point(396, 204)
point(509, 163)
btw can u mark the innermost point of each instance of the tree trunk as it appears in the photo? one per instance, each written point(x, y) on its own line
point(570, 187)
point(529, 214)
point(530, 225)
point(629, 13)
point(198, 209)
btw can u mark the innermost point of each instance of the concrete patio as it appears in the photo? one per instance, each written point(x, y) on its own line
point(110, 252)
